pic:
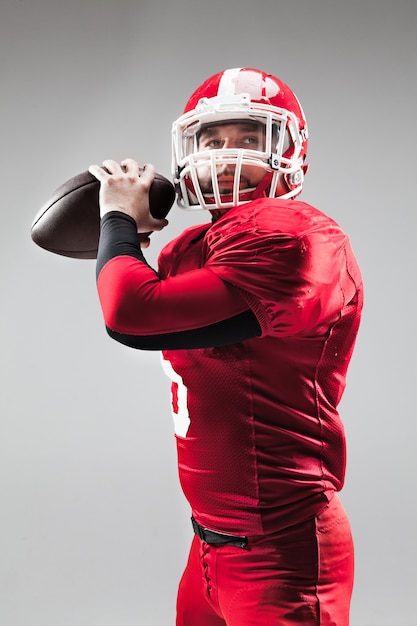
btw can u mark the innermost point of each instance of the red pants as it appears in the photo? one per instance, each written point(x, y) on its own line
point(300, 576)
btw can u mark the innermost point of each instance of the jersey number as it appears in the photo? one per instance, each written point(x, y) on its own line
point(179, 405)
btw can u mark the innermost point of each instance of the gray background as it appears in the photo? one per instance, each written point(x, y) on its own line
point(93, 527)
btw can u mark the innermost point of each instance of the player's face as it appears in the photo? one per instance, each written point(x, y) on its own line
point(244, 135)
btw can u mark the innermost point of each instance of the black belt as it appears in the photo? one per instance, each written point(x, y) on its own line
point(219, 539)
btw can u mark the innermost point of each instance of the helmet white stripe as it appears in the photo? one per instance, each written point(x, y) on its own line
point(227, 82)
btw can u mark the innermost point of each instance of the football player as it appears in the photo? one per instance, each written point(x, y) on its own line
point(256, 313)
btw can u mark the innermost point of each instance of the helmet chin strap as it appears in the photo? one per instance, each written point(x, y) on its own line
point(260, 189)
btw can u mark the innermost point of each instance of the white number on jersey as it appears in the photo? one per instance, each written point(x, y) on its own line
point(178, 400)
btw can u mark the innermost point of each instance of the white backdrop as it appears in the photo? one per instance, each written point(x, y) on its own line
point(93, 527)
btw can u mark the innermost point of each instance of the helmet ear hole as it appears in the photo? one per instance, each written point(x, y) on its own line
point(294, 179)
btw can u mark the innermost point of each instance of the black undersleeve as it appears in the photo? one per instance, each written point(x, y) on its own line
point(233, 330)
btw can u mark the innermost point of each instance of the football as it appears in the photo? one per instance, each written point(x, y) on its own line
point(69, 222)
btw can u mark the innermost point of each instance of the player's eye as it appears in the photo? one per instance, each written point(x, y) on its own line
point(252, 141)
point(210, 143)
point(214, 144)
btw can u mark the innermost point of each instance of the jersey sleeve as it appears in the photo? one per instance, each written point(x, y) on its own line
point(194, 309)
point(289, 267)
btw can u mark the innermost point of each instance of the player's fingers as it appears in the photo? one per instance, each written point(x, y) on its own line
point(145, 243)
point(98, 172)
point(147, 174)
point(130, 166)
point(158, 224)
point(112, 166)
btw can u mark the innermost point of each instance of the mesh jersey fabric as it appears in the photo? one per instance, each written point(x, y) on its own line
point(260, 444)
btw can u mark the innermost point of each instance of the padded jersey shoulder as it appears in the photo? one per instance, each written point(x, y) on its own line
point(287, 257)
point(273, 216)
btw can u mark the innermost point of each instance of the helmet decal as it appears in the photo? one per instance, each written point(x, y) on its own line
point(258, 87)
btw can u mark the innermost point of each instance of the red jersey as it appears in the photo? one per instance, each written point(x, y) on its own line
point(260, 442)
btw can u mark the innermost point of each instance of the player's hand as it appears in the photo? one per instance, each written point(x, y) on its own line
point(125, 187)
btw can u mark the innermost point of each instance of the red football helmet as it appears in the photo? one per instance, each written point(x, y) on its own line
point(244, 96)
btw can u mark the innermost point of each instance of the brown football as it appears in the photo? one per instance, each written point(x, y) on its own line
point(69, 221)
